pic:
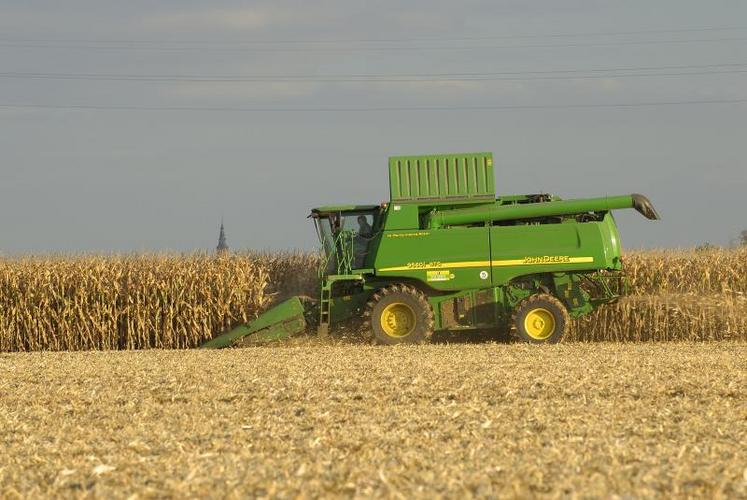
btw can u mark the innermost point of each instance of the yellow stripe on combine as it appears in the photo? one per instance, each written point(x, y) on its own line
point(440, 265)
point(528, 261)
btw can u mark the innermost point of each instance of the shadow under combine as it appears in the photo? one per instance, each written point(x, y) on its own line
point(471, 337)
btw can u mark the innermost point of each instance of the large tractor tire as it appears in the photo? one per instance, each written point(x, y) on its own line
point(541, 319)
point(399, 314)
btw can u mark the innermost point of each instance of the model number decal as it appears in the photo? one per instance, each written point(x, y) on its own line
point(424, 265)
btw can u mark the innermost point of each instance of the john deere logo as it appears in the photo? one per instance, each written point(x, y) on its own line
point(547, 259)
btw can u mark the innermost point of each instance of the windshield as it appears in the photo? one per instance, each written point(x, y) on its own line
point(345, 238)
point(362, 224)
point(324, 232)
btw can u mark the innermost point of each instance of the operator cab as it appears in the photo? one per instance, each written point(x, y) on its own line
point(345, 233)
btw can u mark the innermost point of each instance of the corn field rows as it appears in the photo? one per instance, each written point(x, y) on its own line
point(152, 301)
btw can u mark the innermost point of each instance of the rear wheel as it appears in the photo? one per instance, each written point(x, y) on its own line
point(541, 319)
point(399, 314)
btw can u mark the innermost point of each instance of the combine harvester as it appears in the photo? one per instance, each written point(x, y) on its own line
point(446, 254)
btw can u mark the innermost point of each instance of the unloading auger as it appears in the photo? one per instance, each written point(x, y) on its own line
point(446, 254)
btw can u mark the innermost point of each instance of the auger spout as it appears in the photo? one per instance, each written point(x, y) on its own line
point(497, 212)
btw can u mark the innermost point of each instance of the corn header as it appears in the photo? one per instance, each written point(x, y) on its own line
point(446, 254)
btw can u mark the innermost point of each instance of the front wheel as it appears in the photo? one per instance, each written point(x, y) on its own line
point(400, 314)
point(541, 319)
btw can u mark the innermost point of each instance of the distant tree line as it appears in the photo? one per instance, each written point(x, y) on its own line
point(741, 240)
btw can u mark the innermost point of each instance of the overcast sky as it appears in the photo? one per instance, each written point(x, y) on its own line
point(136, 126)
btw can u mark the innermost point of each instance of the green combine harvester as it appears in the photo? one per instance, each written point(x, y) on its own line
point(444, 254)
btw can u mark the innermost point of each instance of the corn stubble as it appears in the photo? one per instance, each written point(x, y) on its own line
point(172, 301)
point(604, 420)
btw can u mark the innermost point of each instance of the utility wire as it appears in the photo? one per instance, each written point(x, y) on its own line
point(197, 48)
point(379, 40)
point(486, 107)
point(346, 79)
point(364, 76)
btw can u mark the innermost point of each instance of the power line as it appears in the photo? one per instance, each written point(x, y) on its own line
point(336, 79)
point(692, 69)
point(379, 40)
point(197, 48)
point(347, 109)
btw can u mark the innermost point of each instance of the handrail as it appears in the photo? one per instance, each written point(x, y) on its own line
point(342, 251)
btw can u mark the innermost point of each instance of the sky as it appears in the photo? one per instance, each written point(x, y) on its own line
point(139, 125)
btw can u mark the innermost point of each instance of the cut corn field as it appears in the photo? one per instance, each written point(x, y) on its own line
point(644, 420)
point(172, 301)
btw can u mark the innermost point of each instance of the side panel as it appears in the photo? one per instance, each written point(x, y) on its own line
point(444, 259)
point(540, 248)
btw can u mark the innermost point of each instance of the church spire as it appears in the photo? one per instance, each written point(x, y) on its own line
point(222, 245)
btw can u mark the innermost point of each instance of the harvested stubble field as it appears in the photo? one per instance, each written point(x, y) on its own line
point(310, 419)
point(172, 301)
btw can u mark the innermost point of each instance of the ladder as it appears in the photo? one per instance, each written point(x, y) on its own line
point(325, 306)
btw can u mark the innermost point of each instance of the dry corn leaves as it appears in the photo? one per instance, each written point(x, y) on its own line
point(170, 301)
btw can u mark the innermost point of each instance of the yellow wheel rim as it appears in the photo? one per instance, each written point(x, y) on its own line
point(398, 320)
point(539, 324)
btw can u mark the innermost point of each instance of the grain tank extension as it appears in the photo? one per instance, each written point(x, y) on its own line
point(446, 254)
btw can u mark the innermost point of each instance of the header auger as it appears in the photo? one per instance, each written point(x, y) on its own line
point(446, 254)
